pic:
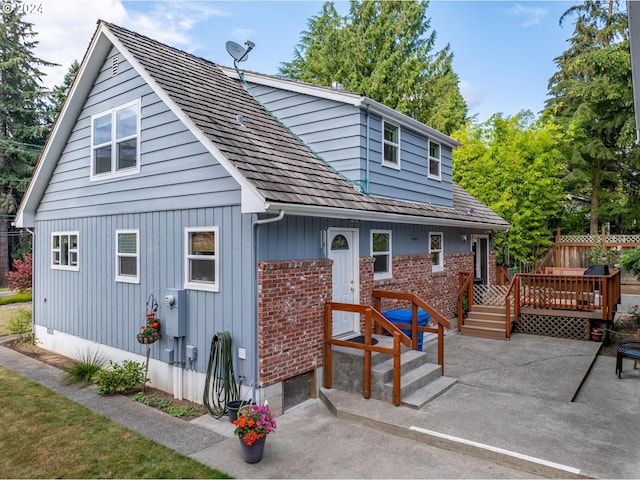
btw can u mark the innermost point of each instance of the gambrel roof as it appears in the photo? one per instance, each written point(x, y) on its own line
point(275, 171)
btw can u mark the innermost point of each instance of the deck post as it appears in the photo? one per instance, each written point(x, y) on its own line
point(327, 346)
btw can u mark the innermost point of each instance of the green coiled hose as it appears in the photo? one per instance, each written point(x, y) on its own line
point(220, 371)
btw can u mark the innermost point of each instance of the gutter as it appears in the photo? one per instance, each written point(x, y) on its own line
point(351, 214)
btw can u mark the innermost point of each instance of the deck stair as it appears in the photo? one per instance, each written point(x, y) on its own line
point(486, 321)
point(421, 381)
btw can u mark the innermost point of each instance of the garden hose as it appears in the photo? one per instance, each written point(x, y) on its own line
point(220, 370)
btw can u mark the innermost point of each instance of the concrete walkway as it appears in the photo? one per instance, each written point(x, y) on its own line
point(511, 415)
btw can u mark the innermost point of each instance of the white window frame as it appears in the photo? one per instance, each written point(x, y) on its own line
point(396, 145)
point(204, 286)
point(389, 272)
point(439, 252)
point(70, 251)
point(128, 278)
point(113, 142)
point(438, 159)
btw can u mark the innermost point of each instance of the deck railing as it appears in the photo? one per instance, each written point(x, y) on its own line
point(371, 317)
point(418, 303)
point(571, 292)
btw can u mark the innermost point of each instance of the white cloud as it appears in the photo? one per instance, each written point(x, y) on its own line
point(473, 94)
point(64, 31)
point(530, 15)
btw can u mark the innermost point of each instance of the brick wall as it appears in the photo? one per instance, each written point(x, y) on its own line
point(412, 273)
point(291, 297)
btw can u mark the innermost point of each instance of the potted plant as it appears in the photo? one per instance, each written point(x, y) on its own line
point(150, 331)
point(253, 424)
point(596, 334)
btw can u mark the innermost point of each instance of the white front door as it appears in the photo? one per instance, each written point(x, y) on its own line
point(343, 250)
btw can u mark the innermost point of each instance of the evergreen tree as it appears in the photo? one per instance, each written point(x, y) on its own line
point(58, 96)
point(22, 103)
point(384, 50)
point(592, 98)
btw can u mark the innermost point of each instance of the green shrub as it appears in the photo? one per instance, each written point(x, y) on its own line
point(20, 322)
point(631, 261)
point(85, 368)
point(120, 378)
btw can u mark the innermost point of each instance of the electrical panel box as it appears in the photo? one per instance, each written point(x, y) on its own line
point(174, 313)
point(192, 352)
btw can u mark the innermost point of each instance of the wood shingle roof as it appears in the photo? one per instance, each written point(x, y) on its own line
point(280, 168)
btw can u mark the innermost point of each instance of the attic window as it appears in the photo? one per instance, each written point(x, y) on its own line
point(114, 66)
point(115, 137)
point(434, 161)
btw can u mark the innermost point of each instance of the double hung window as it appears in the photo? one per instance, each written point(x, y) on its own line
point(115, 137)
point(127, 256)
point(434, 161)
point(437, 252)
point(381, 251)
point(390, 145)
point(201, 258)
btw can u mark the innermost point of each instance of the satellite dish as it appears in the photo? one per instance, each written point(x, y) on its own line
point(237, 51)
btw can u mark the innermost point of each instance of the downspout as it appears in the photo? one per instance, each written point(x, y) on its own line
point(33, 317)
point(366, 172)
point(254, 226)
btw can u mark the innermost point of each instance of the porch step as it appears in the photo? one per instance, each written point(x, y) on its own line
point(420, 381)
point(485, 321)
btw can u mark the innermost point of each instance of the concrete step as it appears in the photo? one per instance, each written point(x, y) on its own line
point(408, 361)
point(424, 395)
point(410, 382)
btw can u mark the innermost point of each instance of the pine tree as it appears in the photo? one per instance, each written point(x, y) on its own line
point(22, 103)
point(592, 98)
point(384, 50)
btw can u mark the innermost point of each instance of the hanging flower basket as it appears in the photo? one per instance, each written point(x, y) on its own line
point(147, 339)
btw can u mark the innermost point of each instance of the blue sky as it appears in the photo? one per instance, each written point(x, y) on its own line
point(503, 50)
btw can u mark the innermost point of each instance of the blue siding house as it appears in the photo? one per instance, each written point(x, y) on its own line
point(250, 199)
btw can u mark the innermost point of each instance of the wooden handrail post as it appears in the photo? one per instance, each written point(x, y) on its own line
point(414, 326)
point(396, 368)
point(441, 347)
point(367, 354)
point(327, 346)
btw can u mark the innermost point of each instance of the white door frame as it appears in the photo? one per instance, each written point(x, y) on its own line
point(355, 266)
point(475, 240)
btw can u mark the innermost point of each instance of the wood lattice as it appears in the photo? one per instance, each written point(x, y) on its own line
point(608, 239)
point(489, 295)
point(552, 326)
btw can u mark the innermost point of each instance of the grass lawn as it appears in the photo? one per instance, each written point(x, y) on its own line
point(44, 435)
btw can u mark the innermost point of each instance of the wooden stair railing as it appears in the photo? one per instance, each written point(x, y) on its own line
point(416, 303)
point(513, 292)
point(502, 276)
point(465, 286)
point(371, 316)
